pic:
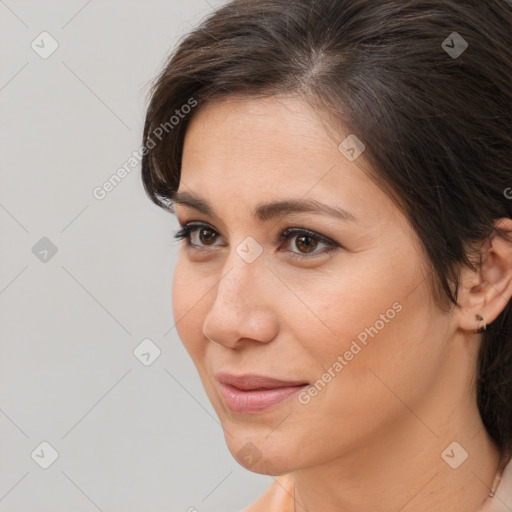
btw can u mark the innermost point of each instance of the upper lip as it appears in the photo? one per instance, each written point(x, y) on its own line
point(253, 381)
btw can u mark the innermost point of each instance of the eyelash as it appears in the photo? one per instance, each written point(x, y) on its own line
point(186, 231)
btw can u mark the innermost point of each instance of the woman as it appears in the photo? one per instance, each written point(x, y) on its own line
point(341, 172)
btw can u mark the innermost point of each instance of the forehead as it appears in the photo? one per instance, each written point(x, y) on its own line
point(264, 156)
point(279, 140)
point(255, 129)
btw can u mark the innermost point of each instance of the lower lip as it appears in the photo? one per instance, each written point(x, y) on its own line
point(254, 401)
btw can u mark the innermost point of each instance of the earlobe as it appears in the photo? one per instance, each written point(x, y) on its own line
point(486, 292)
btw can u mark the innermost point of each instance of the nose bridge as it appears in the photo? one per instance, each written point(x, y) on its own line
point(240, 278)
point(239, 299)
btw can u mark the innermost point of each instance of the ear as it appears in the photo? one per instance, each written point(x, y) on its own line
point(485, 293)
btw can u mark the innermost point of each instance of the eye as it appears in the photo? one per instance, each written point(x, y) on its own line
point(206, 234)
point(306, 241)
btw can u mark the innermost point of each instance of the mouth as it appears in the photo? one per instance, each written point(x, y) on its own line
point(252, 394)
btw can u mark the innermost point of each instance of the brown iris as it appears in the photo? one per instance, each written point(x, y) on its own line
point(206, 239)
point(302, 242)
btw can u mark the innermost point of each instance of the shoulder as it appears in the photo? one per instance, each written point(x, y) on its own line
point(277, 498)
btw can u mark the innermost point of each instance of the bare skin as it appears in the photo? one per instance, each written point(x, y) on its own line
point(373, 437)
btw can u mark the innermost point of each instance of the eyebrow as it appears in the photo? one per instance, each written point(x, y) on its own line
point(267, 211)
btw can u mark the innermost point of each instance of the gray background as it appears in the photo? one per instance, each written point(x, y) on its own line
point(129, 437)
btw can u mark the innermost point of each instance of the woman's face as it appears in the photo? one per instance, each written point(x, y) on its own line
point(352, 317)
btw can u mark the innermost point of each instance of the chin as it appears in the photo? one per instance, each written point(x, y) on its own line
point(262, 455)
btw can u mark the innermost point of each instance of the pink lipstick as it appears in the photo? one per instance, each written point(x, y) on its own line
point(251, 394)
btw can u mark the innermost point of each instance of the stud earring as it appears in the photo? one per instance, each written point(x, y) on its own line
point(481, 328)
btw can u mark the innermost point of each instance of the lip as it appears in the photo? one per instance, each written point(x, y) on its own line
point(251, 394)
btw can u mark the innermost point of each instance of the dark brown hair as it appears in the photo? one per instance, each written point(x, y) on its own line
point(425, 84)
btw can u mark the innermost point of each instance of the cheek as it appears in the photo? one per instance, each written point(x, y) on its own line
point(371, 334)
point(180, 294)
point(387, 340)
point(364, 393)
point(188, 305)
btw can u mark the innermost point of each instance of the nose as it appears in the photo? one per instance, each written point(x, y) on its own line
point(242, 311)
